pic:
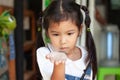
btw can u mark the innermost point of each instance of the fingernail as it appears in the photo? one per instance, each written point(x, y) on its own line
point(56, 63)
point(63, 62)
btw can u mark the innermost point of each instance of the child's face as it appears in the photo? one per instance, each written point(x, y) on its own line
point(63, 36)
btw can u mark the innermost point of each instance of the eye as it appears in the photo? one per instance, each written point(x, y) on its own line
point(55, 34)
point(70, 33)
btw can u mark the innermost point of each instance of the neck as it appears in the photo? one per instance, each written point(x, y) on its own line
point(74, 54)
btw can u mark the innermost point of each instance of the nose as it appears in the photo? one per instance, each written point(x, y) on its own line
point(63, 40)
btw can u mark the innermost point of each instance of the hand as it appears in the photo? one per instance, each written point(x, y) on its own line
point(57, 57)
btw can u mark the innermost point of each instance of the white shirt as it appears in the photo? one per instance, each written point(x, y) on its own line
point(72, 68)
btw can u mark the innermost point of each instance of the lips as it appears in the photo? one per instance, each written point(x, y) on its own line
point(63, 49)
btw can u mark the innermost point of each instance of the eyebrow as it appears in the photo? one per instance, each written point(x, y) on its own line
point(71, 30)
point(66, 31)
point(54, 31)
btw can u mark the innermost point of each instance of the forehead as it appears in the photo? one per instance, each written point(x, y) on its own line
point(63, 25)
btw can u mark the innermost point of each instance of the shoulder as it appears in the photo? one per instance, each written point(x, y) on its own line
point(42, 50)
point(41, 53)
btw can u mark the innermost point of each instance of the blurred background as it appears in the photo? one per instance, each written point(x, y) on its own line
point(18, 50)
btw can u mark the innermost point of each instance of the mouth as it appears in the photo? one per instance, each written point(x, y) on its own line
point(64, 49)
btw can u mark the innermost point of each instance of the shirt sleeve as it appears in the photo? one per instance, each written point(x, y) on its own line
point(45, 66)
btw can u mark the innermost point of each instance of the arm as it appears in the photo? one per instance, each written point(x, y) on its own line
point(58, 72)
point(58, 59)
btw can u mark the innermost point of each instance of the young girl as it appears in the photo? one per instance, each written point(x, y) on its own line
point(61, 59)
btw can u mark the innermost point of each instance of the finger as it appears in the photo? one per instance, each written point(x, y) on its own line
point(50, 57)
point(47, 56)
point(63, 62)
point(56, 62)
point(59, 62)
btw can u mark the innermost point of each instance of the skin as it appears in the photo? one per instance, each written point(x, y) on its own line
point(63, 38)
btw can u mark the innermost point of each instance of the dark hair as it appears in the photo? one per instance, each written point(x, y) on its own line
point(62, 10)
point(90, 42)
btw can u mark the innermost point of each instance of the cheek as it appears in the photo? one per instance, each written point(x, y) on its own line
point(54, 40)
point(55, 43)
point(74, 38)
